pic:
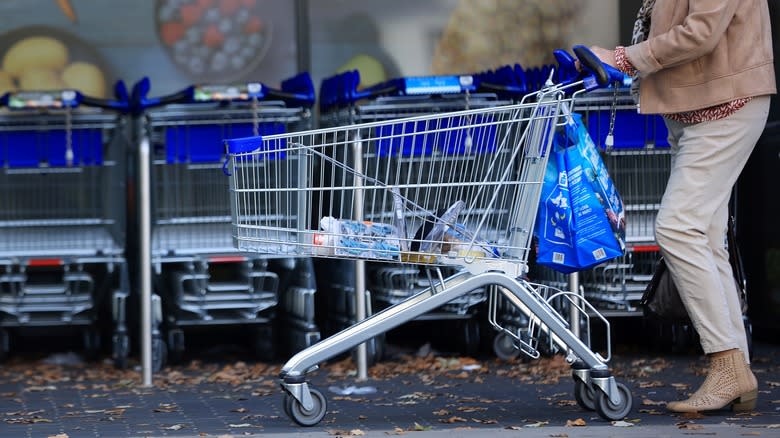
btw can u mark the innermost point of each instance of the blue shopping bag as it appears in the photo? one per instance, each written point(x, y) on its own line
point(581, 221)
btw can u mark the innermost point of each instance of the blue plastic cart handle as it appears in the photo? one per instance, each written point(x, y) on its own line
point(602, 75)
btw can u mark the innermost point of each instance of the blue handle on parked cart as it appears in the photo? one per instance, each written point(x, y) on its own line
point(601, 75)
point(343, 89)
point(140, 101)
point(507, 81)
point(66, 98)
point(121, 101)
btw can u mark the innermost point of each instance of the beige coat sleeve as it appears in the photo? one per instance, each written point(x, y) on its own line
point(697, 35)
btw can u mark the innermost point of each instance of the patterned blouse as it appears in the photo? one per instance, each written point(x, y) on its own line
point(709, 114)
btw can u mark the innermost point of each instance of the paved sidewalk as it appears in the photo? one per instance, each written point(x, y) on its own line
point(436, 396)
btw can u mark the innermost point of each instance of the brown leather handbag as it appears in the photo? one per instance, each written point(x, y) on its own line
point(661, 299)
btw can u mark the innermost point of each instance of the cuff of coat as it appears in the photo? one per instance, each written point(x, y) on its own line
point(641, 57)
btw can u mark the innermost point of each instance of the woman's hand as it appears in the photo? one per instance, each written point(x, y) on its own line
point(605, 55)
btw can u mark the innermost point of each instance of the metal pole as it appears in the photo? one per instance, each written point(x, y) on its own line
point(360, 266)
point(144, 211)
point(574, 315)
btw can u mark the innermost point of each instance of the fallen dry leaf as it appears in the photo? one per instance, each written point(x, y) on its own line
point(693, 415)
point(166, 408)
point(453, 419)
point(468, 409)
point(648, 402)
point(59, 435)
point(485, 421)
point(576, 423)
point(441, 412)
point(689, 426)
point(650, 412)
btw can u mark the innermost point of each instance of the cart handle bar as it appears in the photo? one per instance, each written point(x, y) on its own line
point(602, 75)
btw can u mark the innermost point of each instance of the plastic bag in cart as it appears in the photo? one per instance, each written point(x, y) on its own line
point(581, 221)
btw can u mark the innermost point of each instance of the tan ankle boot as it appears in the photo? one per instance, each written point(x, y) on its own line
point(729, 382)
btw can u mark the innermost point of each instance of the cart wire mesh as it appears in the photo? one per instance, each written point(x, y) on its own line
point(429, 189)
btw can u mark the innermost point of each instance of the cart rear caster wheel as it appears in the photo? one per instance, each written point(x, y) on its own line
point(504, 347)
point(302, 416)
point(585, 395)
point(612, 412)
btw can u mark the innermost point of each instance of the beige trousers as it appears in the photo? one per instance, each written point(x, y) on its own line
point(691, 225)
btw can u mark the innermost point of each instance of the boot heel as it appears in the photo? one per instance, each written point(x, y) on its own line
point(746, 402)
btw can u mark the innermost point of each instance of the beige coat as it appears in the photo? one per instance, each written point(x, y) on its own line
point(701, 53)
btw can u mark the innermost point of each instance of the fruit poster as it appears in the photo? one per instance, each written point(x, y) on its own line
point(90, 44)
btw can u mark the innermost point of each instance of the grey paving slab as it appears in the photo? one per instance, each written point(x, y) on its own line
point(498, 399)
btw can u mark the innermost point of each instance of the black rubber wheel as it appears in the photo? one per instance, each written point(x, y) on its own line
point(470, 335)
point(612, 412)
point(585, 395)
point(305, 417)
point(121, 350)
point(91, 343)
point(5, 344)
point(504, 347)
point(159, 354)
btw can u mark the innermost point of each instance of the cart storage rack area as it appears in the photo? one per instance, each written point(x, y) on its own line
point(62, 211)
point(479, 218)
point(201, 279)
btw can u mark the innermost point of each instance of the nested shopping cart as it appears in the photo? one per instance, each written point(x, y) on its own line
point(202, 281)
point(62, 213)
point(480, 222)
point(344, 104)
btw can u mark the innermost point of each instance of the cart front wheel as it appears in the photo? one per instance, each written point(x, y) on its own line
point(303, 416)
point(504, 347)
point(585, 395)
point(613, 412)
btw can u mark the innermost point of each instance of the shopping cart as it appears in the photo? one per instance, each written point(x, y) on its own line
point(201, 279)
point(62, 212)
point(478, 219)
point(639, 162)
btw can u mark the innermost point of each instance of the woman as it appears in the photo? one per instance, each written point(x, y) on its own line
point(706, 66)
